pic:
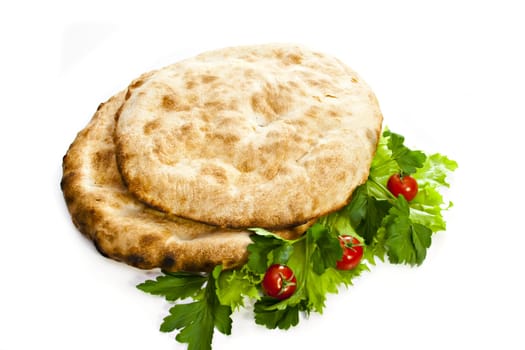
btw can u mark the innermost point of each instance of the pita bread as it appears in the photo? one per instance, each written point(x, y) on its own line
point(123, 228)
point(269, 136)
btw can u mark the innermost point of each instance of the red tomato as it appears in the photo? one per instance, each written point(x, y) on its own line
point(405, 185)
point(352, 252)
point(279, 282)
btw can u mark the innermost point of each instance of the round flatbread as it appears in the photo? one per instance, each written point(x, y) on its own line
point(269, 136)
point(127, 230)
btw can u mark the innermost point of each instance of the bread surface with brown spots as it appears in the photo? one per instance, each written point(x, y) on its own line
point(268, 135)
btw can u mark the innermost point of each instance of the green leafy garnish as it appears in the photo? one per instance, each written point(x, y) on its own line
point(234, 286)
point(174, 286)
point(390, 228)
point(272, 318)
point(326, 250)
point(393, 227)
point(267, 248)
point(198, 319)
point(405, 241)
point(313, 261)
point(407, 159)
point(366, 212)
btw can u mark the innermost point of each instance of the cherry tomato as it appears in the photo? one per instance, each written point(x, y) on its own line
point(405, 185)
point(352, 252)
point(279, 282)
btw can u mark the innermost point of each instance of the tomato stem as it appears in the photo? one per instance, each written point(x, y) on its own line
point(287, 282)
point(352, 246)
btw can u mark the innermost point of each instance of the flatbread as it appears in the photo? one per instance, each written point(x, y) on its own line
point(269, 135)
point(125, 229)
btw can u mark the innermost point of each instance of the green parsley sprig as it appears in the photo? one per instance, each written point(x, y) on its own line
point(195, 320)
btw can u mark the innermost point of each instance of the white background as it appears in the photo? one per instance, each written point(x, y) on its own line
point(449, 76)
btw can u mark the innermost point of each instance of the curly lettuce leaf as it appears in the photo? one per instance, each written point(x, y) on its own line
point(435, 170)
point(233, 287)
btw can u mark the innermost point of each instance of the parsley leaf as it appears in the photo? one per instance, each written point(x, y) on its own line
point(407, 159)
point(406, 242)
point(366, 212)
point(267, 249)
point(174, 286)
point(326, 248)
point(275, 318)
point(198, 319)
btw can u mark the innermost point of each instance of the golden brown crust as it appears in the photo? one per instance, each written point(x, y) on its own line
point(269, 136)
point(123, 228)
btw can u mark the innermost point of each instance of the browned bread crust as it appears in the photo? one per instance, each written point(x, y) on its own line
point(123, 228)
